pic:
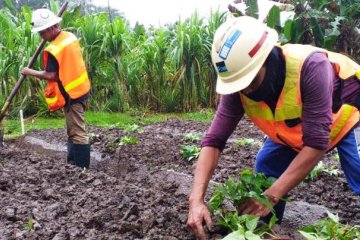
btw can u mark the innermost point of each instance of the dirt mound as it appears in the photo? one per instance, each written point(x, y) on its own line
point(134, 191)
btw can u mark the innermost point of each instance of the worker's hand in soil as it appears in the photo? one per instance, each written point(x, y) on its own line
point(256, 208)
point(198, 213)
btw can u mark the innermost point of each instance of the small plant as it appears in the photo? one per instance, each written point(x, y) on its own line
point(330, 228)
point(93, 137)
point(190, 152)
point(133, 128)
point(128, 140)
point(192, 137)
point(244, 142)
point(319, 168)
point(28, 225)
point(248, 186)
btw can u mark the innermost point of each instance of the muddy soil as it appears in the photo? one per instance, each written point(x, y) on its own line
point(136, 191)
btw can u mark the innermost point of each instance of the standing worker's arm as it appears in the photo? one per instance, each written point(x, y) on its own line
point(198, 211)
point(39, 74)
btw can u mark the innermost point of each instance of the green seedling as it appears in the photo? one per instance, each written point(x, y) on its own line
point(133, 128)
point(28, 225)
point(93, 136)
point(244, 142)
point(189, 152)
point(128, 140)
point(192, 137)
point(330, 228)
point(236, 192)
point(319, 168)
point(336, 157)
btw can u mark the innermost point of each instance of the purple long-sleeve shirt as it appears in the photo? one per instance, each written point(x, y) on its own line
point(318, 83)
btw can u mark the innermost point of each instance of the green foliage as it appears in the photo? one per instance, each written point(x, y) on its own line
point(128, 140)
point(330, 228)
point(28, 225)
point(192, 137)
point(243, 227)
point(248, 186)
point(243, 142)
point(133, 128)
point(189, 152)
point(328, 24)
point(321, 168)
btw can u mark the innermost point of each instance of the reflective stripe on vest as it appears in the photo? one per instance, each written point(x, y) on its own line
point(77, 82)
point(289, 105)
point(55, 49)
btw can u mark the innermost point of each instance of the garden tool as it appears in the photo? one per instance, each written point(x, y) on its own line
point(22, 79)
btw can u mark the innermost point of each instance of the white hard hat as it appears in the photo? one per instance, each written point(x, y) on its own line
point(240, 47)
point(42, 19)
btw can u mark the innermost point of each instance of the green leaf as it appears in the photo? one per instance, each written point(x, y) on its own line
point(288, 29)
point(251, 236)
point(273, 19)
point(317, 31)
point(237, 235)
point(251, 222)
point(309, 236)
point(333, 217)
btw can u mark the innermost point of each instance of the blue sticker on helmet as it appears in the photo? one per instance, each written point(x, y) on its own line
point(221, 66)
point(225, 49)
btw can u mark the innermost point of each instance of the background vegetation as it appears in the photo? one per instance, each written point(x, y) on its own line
point(155, 69)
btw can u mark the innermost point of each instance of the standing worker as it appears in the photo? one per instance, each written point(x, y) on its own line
point(68, 84)
point(305, 99)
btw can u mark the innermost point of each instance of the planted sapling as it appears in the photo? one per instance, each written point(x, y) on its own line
point(319, 168)
point(128, 140)
point(192, 137)
point(133, 128)
point(244, 142)
point(248, 186)
point(28, 225)
point(189, 152)
point(330, 228)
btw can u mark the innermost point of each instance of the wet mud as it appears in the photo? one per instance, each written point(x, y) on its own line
point(137, 191)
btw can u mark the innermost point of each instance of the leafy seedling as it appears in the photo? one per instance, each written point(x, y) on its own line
point(189, 152)
point(248, 186)
point(128, 140)
point(192, 137)
point(319, 168)
point(133, 128)
point(330, 228)
point(245, 142)
point(28, 225)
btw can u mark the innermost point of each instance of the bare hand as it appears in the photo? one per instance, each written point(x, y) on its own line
point(253, 207)
point(26, 71)
point(256, 208)
point(198, 212)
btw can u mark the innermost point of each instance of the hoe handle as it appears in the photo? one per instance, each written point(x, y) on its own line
point(22, 78)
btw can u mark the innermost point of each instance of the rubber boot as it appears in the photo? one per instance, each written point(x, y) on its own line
point(70, 152)
point(279, 209)
point(81, 155)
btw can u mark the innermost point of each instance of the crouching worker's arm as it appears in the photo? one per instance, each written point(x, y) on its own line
point(198, 211)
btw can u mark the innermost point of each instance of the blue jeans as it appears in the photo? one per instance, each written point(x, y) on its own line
point(273, 159)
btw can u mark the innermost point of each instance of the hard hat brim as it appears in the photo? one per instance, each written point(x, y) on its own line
point(239, 84)
point(46, 26)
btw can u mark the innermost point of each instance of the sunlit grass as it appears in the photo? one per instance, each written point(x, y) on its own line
point(12, 127)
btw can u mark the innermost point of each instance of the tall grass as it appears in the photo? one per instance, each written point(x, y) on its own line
point(156, 69)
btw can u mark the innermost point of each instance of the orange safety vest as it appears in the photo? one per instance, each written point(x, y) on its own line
point(72, 71)
point(289, 104)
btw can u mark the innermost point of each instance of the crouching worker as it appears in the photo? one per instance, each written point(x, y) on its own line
point(68, 85)
point(305, 99)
